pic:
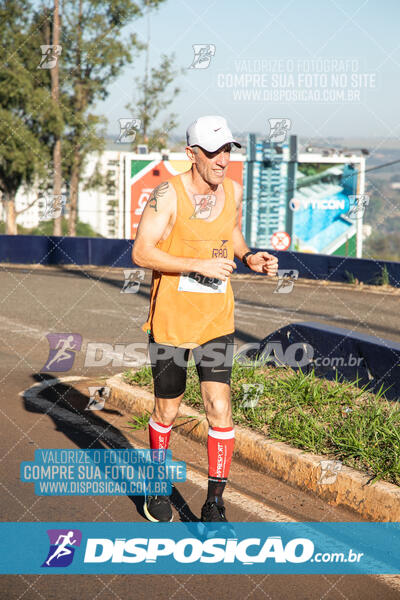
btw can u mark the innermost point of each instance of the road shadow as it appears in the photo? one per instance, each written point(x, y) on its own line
point(66, 407)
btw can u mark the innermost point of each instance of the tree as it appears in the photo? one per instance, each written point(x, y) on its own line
point(55, 95)
point(152, 99)
point(94, 54)
point(26, 115)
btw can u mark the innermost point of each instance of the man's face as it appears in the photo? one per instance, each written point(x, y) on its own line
point(212, 166)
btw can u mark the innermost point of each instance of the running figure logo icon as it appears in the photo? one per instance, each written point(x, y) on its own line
point(62, 547)
point(133, 279)
point(329, 471)
point(202, 56)
point(279, 129)
point(128, 130)
point(358, 204)
point(50, 56)
point(98, 397)
point(62, 351)
point(204, 204)
point(54, 207)
point(251, 394)
point(286, 279)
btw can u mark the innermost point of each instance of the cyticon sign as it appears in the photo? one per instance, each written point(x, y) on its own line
point(200, 548)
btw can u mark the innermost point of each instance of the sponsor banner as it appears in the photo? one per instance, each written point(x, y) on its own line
point(324, 199)
point(146, 174)
point(204, 548)
point(58, 472)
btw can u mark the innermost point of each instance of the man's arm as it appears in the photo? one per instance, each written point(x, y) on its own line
point(239, 245)
point(157, 214)
point(261, 262)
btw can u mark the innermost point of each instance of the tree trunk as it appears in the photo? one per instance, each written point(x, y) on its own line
point(55, 96)
point(76, 162)
point(73, 192)
point(11, 216)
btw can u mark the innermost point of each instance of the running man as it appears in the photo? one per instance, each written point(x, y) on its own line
point(63, 347)
point(191, 299)
point(62, 549)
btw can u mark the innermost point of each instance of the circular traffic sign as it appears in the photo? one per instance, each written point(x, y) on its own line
point(280, 240)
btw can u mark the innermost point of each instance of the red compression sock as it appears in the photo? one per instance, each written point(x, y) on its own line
point(220, 449)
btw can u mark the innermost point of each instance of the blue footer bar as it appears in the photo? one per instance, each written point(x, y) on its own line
point(204, 548)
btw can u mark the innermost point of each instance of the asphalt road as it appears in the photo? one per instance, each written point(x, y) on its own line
point(38, 301)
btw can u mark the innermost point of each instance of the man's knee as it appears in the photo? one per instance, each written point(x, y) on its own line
point(218, 410)
point(165, 412)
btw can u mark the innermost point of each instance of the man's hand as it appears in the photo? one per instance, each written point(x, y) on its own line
point(219, 268)
point(263, 262)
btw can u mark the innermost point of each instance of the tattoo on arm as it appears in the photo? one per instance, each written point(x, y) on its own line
point(159, 191)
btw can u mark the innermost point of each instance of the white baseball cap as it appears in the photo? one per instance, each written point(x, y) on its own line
point(210, 132)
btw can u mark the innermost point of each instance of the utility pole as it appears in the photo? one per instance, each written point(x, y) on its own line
point(291, 186)
point(146, 73)
point(55, 94)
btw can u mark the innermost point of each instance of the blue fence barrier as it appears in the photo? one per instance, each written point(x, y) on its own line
point(52, 250)
point(334, 351)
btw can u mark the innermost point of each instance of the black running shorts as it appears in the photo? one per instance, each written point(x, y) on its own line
point(169, 363)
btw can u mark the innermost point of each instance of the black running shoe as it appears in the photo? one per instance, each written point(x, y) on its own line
point(213, 512)
point(158, 509)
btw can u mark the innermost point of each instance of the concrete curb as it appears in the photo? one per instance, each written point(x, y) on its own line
point(377, 502)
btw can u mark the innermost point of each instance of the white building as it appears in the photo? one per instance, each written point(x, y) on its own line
point(99, 207)
point(25, 196)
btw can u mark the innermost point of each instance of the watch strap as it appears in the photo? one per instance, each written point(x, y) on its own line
point(244, 258)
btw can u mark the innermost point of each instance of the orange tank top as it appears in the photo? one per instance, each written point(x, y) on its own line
point(188, 309)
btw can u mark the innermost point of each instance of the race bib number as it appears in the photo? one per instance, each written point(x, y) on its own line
point(195, 282)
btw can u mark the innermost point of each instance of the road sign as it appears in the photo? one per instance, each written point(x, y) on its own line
point(280, 240)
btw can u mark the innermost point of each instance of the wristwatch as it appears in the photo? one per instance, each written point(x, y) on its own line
point(244, 258)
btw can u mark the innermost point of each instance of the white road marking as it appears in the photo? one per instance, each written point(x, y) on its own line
point(241, 500)
point(14, 326)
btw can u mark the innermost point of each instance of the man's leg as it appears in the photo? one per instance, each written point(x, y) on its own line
point(169, 376)
point(161, 421)
point(214, 366)
point(221, 437)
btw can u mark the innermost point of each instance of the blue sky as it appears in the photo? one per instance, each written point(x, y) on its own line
point(291, 38)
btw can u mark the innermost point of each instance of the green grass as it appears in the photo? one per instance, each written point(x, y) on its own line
point(350, 277)
point(139, 422)
point(384, 278)
point(339, 420)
